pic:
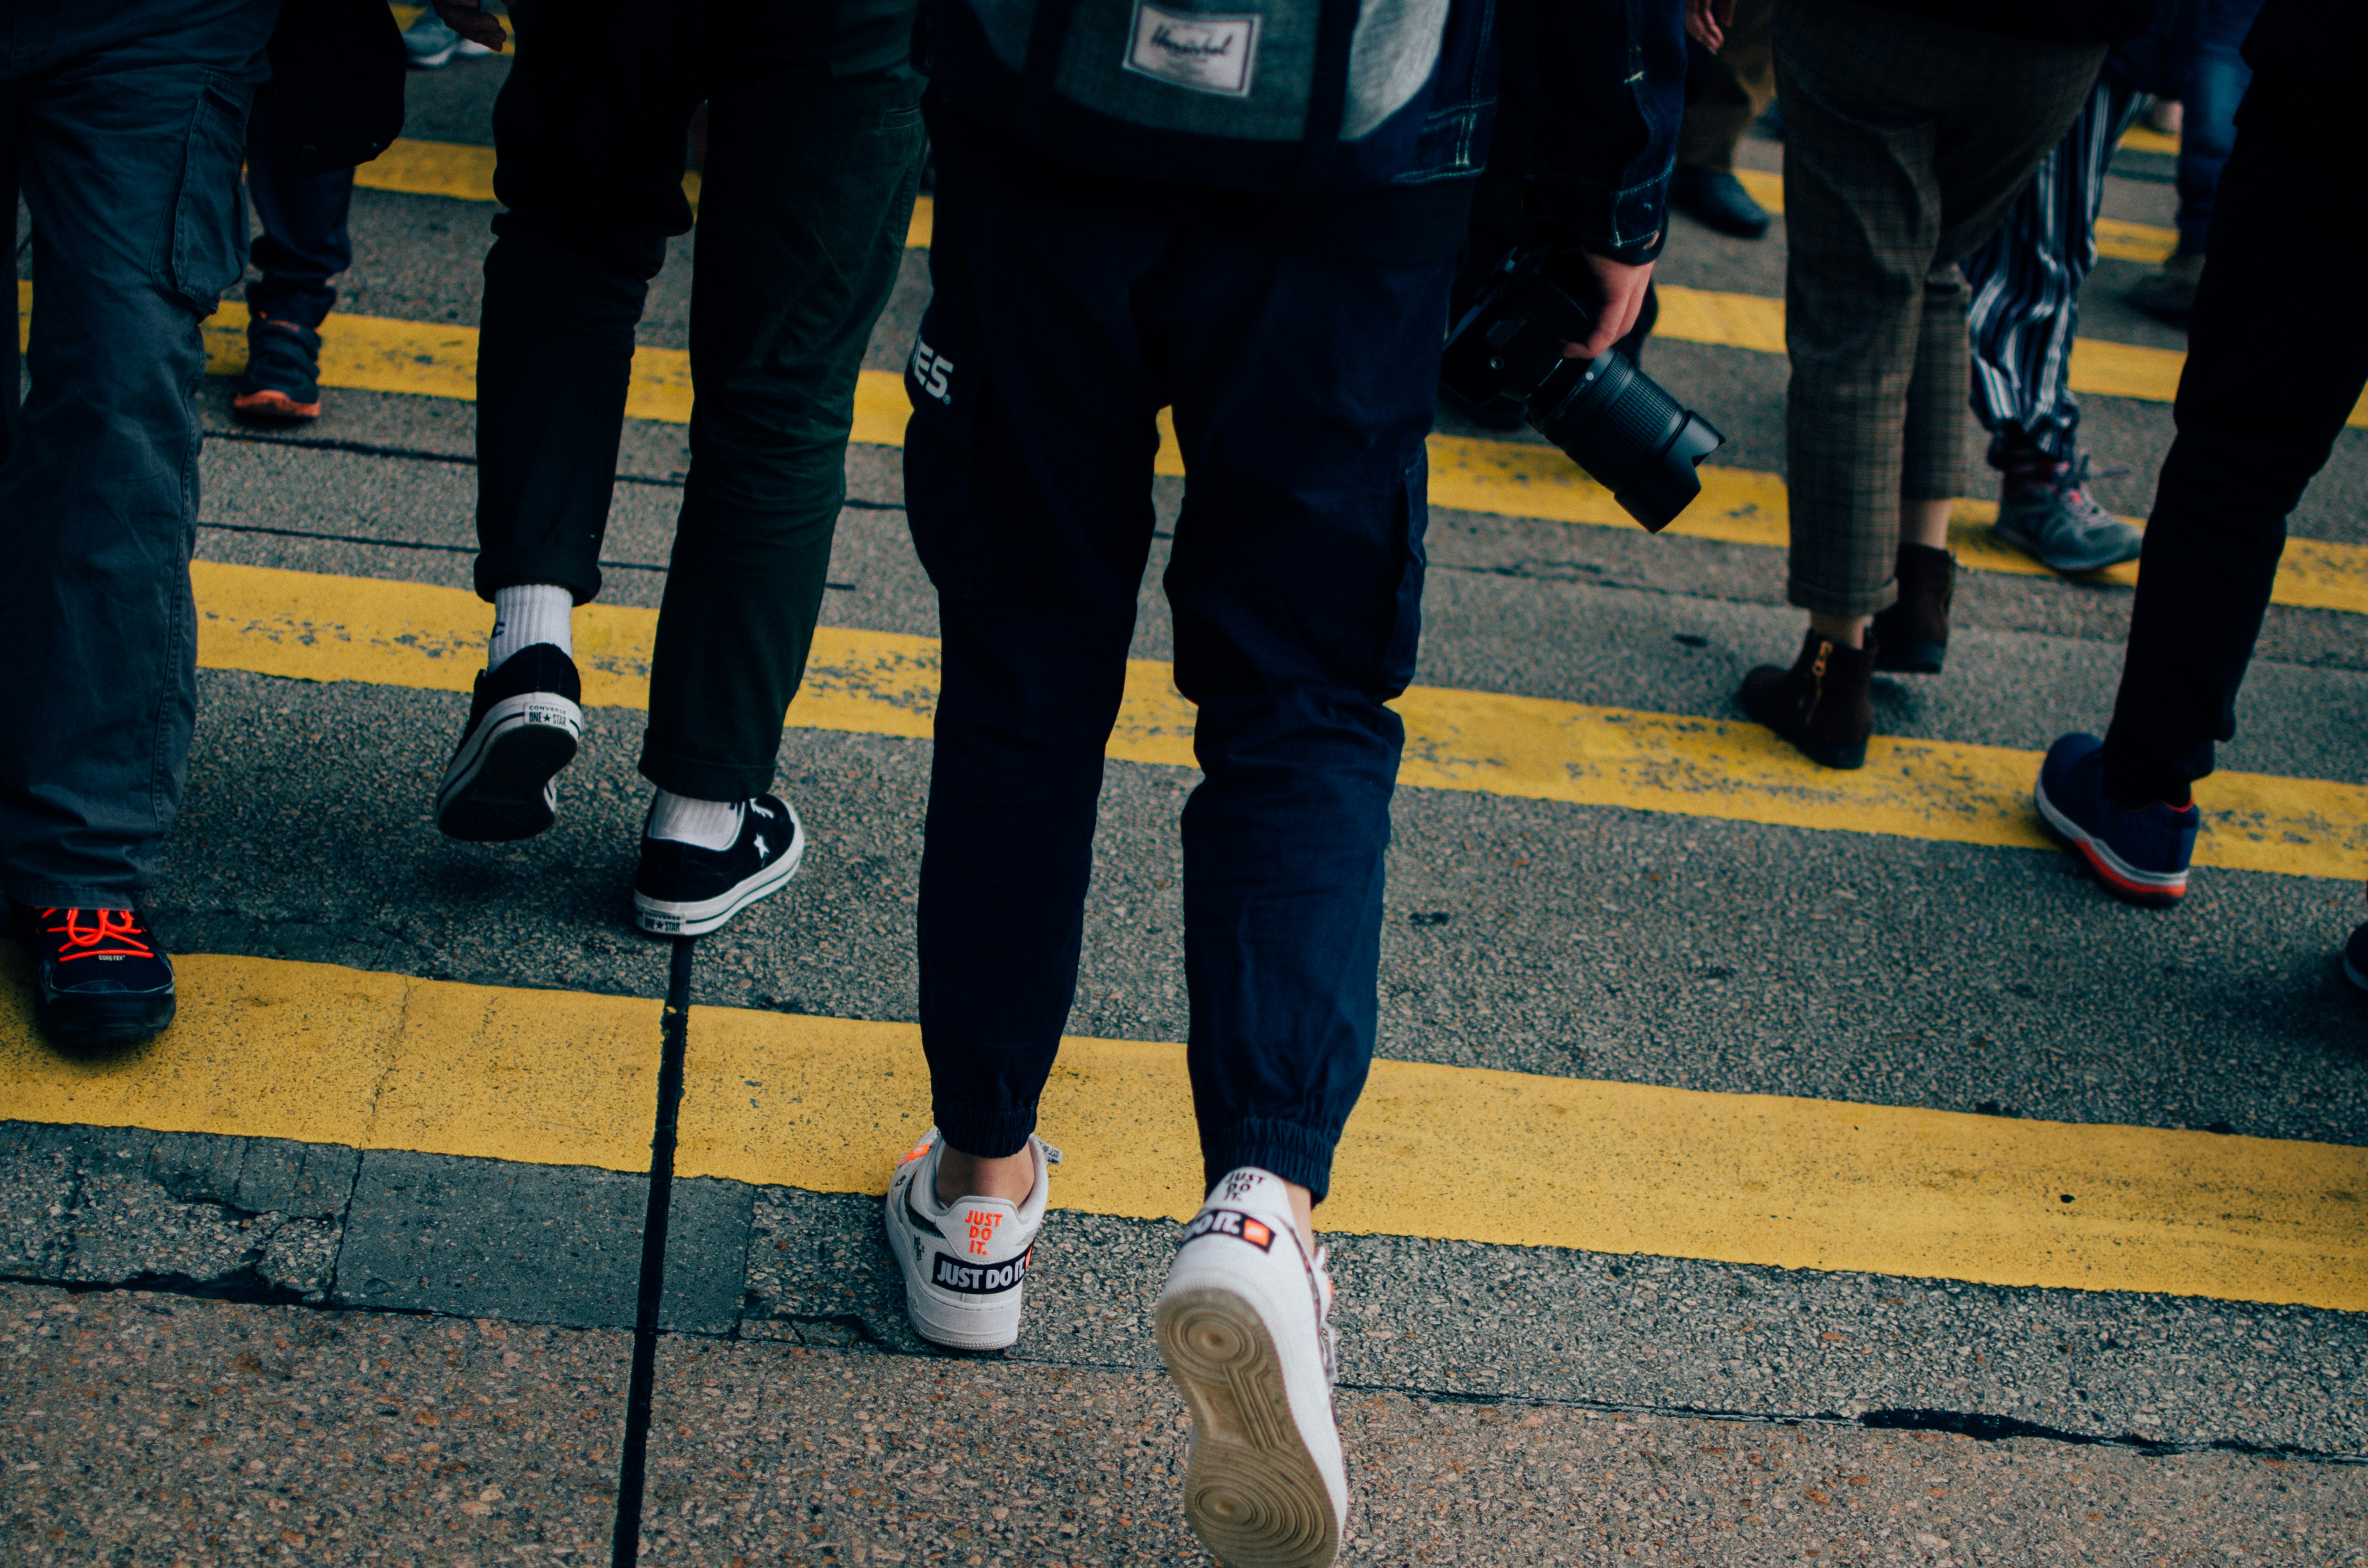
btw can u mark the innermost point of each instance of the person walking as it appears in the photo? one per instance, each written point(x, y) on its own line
point(1910, 127)
point(2024, 316)
point(1146, 207)
point(2277, 360)
point(814, 147)
point(2210, 77)
point(303, 246)
point(1727, 90)
point(122, 128)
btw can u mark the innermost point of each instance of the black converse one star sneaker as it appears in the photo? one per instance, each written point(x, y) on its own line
point(523, 728)
point(681, 889)
point(1245, 1326)
point(99, 977)
point(965, 1263)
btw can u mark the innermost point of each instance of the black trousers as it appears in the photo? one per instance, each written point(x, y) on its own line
point(815, 144)
point(304, 242)
point(2277, 356)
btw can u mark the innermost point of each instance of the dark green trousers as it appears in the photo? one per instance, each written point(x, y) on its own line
point(815, 144)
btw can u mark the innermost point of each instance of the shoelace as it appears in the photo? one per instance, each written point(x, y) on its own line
point(2072, 486)
point(119, 926)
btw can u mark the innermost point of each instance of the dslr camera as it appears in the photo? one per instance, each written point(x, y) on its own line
point(1612, 419)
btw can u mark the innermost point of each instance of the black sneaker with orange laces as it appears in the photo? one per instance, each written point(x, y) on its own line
point(99, 977)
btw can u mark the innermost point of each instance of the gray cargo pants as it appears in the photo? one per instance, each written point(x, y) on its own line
point(124, 125)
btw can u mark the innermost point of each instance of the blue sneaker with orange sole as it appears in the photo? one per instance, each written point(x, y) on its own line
point(2140, 856)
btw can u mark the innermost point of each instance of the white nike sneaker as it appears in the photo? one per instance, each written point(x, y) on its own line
point(1245, 1327)
point(965, 1263)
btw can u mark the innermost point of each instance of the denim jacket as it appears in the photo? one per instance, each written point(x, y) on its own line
point(1595, 107)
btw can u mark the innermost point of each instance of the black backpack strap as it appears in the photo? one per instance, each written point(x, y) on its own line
point(1328, 91)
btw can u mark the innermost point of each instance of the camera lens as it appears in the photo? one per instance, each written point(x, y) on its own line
point(1636, 439)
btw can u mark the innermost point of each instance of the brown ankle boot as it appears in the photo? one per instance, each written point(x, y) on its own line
point(1820, 704)
point(1913, 634)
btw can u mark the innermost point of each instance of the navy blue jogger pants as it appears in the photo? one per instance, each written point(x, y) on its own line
point(1302, 391)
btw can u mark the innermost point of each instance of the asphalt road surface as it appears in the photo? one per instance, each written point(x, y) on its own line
point(1706, 1209)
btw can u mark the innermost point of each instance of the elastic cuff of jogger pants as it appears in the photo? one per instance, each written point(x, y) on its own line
point(2133, 783)
point(516, 568)
point(996, 1136)
point(1283, 1149)
point(704, 781)
point(306, 310)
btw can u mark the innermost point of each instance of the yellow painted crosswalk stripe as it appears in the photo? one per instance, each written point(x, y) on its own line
point(2116, 237)
point(316, 1054)
point(1755, 321)
point(464, 172)
point(2140, 139)
point(1515, 479)
point(414, 168)
point(305, 626)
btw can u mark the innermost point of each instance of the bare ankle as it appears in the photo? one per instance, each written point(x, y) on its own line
point(1011, 1177)
point(1302, 1209)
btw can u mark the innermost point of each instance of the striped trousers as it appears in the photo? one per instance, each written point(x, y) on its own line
point(2025, 309)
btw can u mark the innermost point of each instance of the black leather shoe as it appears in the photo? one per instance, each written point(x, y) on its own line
point(99, 978)
point(1821, 704)
point(1716, 197)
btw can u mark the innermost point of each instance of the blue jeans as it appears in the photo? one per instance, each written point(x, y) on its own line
point(1302, 394)
point(2214, 81)
point(123, 125)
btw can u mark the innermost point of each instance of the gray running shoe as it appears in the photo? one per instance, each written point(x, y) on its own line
point(2064, 528)
point(428, 43)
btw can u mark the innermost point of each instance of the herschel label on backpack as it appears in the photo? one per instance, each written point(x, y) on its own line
point(1209, 54)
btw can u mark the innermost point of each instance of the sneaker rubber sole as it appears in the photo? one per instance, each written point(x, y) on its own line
point(103, 1025)
point(2156, 890)
point(660, 918)
point(2061, 566)
point(2351, 972)
point(1253, 1494)
point(271, 406)
point(499, 787)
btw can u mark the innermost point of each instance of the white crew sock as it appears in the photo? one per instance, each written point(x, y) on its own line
point(708, 824)
point(528, 614)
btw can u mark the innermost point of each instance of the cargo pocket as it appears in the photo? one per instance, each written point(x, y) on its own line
point(207, 252)
point(945, 378)
point(1413, 521)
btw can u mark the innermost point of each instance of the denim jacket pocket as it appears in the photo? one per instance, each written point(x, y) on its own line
point(207, 252)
